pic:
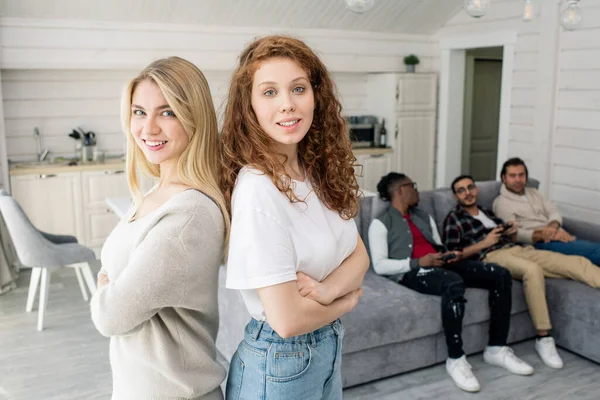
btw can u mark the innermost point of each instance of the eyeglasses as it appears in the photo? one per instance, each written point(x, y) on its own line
point(413, 184)
point(463, 190)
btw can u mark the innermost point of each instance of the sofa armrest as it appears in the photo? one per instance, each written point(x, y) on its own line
point(582, 229)
point(233, 318)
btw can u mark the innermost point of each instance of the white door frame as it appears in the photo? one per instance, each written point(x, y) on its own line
point(5, 180)
point(451, 111)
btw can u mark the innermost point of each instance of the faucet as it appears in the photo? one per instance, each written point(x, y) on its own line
point(44, 154)
point(41, 155)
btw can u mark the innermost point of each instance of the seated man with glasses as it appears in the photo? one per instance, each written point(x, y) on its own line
point(480, 235)
point(406, 248)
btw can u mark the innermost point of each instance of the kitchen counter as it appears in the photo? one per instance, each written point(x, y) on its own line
point(372, 150)
point(34, 168)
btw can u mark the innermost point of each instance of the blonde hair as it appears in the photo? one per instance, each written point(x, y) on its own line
point(187, 93)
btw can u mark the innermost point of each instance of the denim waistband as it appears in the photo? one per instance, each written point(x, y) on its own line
point(262, 330)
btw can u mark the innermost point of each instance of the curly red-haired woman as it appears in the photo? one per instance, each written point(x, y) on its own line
point(295, 252)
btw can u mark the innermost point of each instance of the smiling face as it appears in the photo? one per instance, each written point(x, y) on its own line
point(154, 126)
point(283, 101)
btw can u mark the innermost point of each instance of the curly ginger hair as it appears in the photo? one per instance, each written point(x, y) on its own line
point(325, 152)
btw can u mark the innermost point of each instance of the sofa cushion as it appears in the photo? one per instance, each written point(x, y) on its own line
point(378, 206)
point(488, 191)
point(575, 299)
point(574, 309)
point(391, 313)
point(443, 201)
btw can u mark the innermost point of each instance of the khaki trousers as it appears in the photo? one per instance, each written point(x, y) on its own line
point(531, 266)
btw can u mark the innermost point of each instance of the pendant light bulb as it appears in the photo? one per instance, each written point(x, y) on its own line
point(477, 8)
point(359, 6)
point(570, 18)
point(530, 10)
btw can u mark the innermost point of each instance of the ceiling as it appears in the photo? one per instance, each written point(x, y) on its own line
point(388, 16)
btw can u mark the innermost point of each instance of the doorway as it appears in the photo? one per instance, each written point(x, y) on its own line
point(483, 84)
point(453, 61)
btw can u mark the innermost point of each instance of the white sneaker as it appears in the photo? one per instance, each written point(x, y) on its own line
point(547, 350)
point(505, 357)
point(460, 371)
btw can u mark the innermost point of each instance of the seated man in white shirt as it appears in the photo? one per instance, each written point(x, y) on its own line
point(406, 248)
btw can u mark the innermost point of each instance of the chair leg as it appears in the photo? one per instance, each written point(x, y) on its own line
point(44, 288)
point(33, 285)
point(81, 285)
point(89, 277)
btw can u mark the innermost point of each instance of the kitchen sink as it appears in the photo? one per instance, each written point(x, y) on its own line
point(30, 164)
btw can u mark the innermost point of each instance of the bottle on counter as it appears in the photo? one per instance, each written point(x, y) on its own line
point(383, 134)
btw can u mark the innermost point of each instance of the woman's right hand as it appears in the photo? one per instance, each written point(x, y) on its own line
point(314, 290)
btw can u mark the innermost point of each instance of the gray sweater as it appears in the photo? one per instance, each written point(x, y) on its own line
point(160, 308)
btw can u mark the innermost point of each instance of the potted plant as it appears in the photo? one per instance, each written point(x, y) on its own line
point(410, 61)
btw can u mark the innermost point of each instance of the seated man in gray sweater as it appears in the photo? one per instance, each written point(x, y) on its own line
point(406, 248)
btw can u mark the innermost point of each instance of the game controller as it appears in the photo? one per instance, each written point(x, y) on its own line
point(448, 257)
point(505, 228)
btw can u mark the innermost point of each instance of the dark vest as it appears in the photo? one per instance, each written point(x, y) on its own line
point(399, 236)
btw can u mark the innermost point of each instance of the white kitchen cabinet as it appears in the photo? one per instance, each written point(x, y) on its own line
point(99, 221)
point(415, 146)
point(374, 166)
point(73, 203)
point(416, 92)
point(408, 102)
point(98, 225)
point(52, 201)
point(98, 185)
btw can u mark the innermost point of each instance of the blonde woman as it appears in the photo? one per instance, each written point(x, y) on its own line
point(157, 289)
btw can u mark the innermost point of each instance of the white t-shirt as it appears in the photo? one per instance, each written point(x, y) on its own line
point(272, 239)
point(485, 220)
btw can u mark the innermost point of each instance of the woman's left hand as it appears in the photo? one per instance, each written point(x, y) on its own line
point(102, 280)
point(317, 291)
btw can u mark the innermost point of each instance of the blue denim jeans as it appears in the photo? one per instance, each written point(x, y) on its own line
point(589, 250)
point(266, 366)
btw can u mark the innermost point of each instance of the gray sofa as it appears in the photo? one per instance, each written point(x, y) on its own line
point(394, 329)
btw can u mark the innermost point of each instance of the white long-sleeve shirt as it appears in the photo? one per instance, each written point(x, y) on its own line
point(378, 244)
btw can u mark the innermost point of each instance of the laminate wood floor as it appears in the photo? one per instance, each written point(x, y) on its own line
point(69, 360)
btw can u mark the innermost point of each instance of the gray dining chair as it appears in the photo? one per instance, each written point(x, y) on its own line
point(37, 251)
point(8, 260)
point(57, 239)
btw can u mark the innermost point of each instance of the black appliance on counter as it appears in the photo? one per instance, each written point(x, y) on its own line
point(364, 131)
